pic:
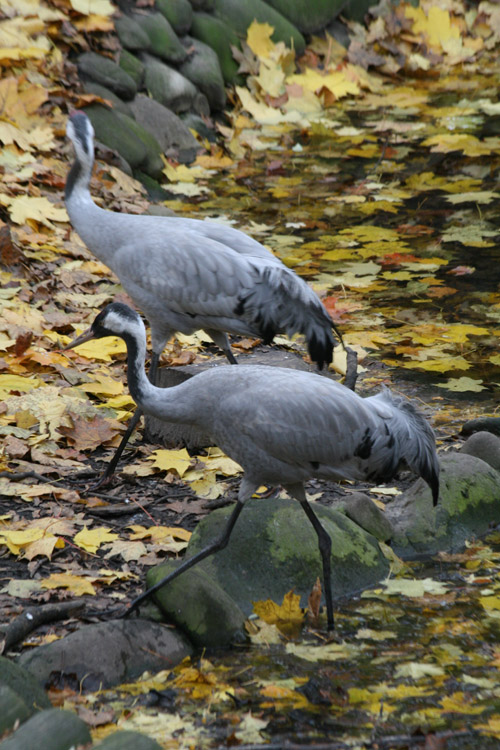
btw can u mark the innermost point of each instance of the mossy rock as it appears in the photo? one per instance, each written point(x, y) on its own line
point(199, 607)
point(179, 14)
point(22, 682)
point(356, 10)
point(163, 40)
point(127, 741)
point(115, 134)
point(106, 72)
point(91, 87)
point(155, 191)
point(202, 68)
point(12, 709)
point(469, 503)
point(153, 163)
point(239, 15)
point(52, 729)
point(204, 5)
point(174, 137)
point(311, 16)
point(133, 66)
point(220, 37)
point(130, 34)
point(274, 548)
point(168, 86)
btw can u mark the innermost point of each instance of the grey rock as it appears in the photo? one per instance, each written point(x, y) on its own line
point(240, 15)
point(339, 32)
point(168, 86)
point(115, 134)
point(172, 435)
point(311, 16)
point(207, 5)
point(163, 40)
point(133, 66)
point(274, 548)
point(199, 607)
point(171, 133)
point(24, 684)
point(91, 87)
point(12, 709)
point(199, 125)
point(220, 37)
point(469, 503)
point(482, 424)
point(362, 510)
point(130, 34)
point(106, 72)
point(127, 741)
point(152, 163)
point(484, 445)
point(203, 69)
point(179, 14)
point(107, 653)
point(52, 729)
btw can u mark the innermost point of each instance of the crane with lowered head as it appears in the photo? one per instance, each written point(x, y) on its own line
point(282, 426)
point(189, 274)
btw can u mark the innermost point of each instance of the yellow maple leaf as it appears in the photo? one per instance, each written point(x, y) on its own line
point(462, 384)
point(91, 7)
point(102, 349)
point(437, 26)
point(9, 383)
point(289, 611)
point(25, 208)
point(259, 39)
point(166, 460)
point(76, 584)
point(103, 386)
point(91, 539)
point(447, 142)
point(16, 539)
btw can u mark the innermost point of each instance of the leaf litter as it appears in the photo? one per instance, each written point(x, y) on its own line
point(375, 170)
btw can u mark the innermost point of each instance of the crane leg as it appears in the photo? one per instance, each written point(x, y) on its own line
point(111, 467)
point(325, 548)
point(215, 546)
point(222, 341)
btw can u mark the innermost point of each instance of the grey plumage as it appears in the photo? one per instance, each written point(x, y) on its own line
point(187, 274)
point(283, 426)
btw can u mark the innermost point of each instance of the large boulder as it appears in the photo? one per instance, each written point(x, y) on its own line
point(220, 37)
point(311, 16)
point(52, 729)
point(174, 137)
point(469, 504)
point(240, 15)
point(484, 445)
point(274, 548)
point(153, 163)
point(108, 73)
point(91, 87)
point(202, 68)
point(179, 14)
point(133, 66)
point(171, 88)
point(115, 134)
point(163, 40)
point(107, 653)
point(130, 34)
point(199, 607)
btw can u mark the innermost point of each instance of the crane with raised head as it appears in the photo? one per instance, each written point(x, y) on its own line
point(282, 426)
point(189, 274)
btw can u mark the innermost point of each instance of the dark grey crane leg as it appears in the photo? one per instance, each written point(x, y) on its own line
point(111, 467)
point(325, 547)
point(222, 341)
point(219, 544)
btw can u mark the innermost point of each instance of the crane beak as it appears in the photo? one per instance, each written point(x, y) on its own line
point(87, 335)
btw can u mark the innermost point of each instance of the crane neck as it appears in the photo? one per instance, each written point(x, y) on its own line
point(78, 179)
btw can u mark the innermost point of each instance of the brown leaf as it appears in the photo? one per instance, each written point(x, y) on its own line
point(23, 341)
point(88, 434)
point(95, 718)
point(314, 602)
point(9, 254)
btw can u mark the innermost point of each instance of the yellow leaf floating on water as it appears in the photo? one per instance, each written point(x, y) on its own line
point(462, 384)
point(91, 539)
point(414, 587)
point(417, 671)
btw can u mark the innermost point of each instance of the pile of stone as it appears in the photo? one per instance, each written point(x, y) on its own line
point(175, 61)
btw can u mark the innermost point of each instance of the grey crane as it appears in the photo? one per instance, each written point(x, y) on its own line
point(282, 426)
point(187, 274)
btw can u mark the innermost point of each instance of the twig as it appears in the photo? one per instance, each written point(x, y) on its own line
point(32, 618)
point(26, 475)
